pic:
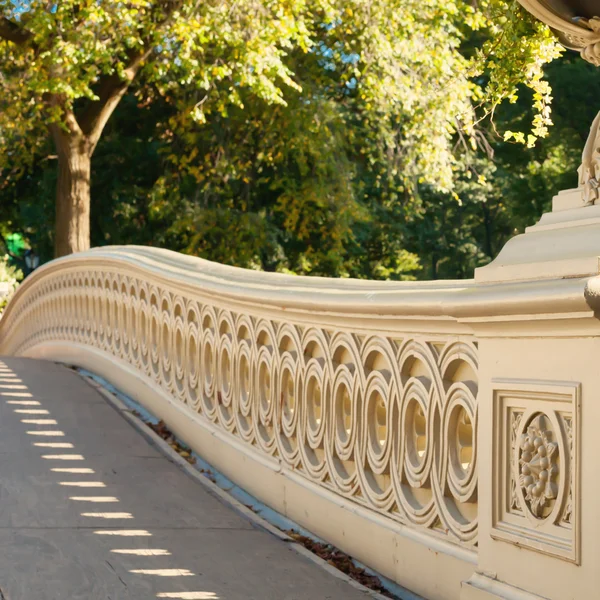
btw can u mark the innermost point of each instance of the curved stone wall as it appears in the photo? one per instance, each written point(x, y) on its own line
point(349, 406)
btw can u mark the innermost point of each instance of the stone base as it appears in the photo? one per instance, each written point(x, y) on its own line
point(564, 243)
point(481, 587)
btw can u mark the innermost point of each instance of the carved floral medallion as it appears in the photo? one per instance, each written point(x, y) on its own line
point(538, 464)
point(536, 484)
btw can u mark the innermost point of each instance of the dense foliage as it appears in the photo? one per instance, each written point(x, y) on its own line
point(317, 137)
point(9, 280)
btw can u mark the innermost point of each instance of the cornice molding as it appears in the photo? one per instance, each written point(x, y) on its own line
point(582, 35)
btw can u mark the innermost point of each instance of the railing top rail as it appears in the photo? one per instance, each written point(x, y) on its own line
point(451, 301)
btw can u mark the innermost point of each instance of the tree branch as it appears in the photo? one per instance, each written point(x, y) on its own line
point(11, 32)
point(112, 88)
point(70, 121)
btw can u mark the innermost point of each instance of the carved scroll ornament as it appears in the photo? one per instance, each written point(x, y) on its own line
point(589, 172)
point(575, 29)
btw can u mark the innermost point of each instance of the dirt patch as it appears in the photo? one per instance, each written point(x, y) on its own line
point(341, 561)
point(163, 431)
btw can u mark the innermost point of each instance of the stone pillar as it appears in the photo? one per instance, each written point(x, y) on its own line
point(539, 521)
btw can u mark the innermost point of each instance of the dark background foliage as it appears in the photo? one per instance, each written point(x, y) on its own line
point(308, 187)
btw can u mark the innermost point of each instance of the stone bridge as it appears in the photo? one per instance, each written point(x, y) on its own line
point(439, 433)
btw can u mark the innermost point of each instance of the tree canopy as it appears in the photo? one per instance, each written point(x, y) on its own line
point(315, 136)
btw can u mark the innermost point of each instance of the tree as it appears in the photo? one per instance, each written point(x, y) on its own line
point(65, 67)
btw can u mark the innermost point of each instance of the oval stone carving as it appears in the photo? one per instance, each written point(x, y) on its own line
point(538, 464)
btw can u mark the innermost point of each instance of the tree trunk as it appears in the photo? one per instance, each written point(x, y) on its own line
point(73, 198)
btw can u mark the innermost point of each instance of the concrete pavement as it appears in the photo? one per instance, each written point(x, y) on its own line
point(90, 510)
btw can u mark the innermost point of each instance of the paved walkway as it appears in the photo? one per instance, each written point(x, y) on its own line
point(90, 510)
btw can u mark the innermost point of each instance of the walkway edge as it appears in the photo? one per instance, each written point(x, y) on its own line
point(226, 498)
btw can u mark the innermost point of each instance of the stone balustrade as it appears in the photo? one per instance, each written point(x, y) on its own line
point(432, 430)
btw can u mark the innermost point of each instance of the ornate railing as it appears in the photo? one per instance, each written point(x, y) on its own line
point(351, 407)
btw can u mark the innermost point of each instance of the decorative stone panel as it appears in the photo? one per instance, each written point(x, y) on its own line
point(536, 465)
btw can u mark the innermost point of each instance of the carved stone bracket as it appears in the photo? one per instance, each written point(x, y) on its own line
point(591, 51)
point(589, 172)
point(575, 31)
